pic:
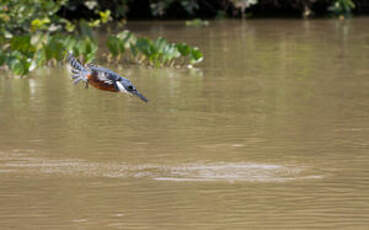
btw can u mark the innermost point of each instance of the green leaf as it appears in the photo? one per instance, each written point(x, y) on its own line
point(40, 58)
point(144, 46)
point(184, 49)
point(23, 45)
point(90, 49)
point(86, 30)
point(18, 63)
point(70, 27)
point(95, 23)
point(39, 23)
point(196, 56)
point(160, 44)
point(105, 16)
point(113, 45)
point(2, 57)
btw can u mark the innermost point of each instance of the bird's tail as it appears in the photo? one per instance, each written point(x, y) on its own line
point(79, 72)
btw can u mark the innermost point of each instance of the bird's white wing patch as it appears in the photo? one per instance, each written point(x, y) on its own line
point(121, 87)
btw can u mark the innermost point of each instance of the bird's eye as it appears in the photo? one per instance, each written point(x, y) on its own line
point(130, 87)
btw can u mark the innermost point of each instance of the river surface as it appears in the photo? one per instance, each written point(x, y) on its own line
point(271, 131)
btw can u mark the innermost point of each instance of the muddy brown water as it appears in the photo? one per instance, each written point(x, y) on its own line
point(271, 132)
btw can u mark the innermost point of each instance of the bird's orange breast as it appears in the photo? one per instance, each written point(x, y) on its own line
point(95, 82)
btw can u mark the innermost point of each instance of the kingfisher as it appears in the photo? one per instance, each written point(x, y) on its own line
point(101, 78)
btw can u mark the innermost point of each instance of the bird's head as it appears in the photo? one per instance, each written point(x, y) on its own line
point(127, 87)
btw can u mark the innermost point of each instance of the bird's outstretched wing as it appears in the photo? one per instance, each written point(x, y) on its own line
point(79, 72)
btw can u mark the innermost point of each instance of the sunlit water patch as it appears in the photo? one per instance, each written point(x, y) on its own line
point(200, 172)
point(245, 171)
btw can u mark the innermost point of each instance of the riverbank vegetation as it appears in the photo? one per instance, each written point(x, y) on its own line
point(33, 34)
point(36, 33)
point(159, 52)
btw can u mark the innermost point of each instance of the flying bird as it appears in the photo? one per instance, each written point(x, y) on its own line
point(101, 78)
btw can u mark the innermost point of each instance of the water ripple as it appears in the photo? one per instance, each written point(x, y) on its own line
point(197, 171)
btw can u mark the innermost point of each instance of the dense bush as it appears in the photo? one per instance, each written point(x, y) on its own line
point(33, 35)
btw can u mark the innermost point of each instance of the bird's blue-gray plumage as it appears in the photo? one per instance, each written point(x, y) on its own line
point(102, 78)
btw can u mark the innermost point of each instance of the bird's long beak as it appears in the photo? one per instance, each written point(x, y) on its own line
point(138, 94)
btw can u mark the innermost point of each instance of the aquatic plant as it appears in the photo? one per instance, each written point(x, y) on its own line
point(197, 22)
point(158, 52)
point(24, 53)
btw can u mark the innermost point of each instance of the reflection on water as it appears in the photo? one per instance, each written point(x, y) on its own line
point(271, 133)
point(18, 163)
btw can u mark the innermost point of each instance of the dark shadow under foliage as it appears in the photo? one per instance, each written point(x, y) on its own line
point(176, 9)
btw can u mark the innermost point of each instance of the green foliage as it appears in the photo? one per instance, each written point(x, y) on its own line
point(22, 16)
point(196, 56)
point(197, 22)
point(28, 16)
point(32, 36)
point(158, 52)
point(115, 8)
point(25, 52)
point(342, 7)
